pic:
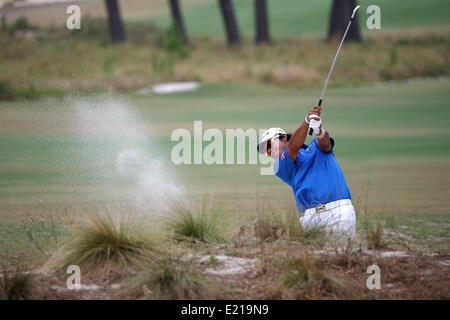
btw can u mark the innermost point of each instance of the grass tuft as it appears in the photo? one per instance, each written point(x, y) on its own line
point(274, 223)
point(197, 224)
point(310, 278)
point(374, 233)
point(171, 279)
point(16, 286)
point(106, 241)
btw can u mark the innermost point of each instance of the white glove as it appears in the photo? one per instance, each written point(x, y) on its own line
point(314, 124)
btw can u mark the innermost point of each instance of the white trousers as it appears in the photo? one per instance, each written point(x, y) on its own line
point(337, 218)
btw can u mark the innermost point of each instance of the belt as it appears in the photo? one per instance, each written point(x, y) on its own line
point(328, 206)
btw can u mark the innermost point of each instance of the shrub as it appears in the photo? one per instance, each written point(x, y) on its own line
point(6, 91)
point(21, 23)
point(172, 41)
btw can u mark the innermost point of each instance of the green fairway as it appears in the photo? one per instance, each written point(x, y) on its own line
point(292, 17)
point(392, 142)
point(164, 196)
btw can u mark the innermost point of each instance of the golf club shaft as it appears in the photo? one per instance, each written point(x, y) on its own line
point(334, 61)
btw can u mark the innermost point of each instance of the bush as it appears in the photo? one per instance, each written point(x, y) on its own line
point(172, 41)
point(6, 91)
point(21, 24)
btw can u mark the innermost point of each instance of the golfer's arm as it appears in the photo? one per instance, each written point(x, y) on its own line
point(324, 143)
point(297, 140)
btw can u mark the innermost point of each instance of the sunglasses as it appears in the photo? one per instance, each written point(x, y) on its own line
point(269, 145)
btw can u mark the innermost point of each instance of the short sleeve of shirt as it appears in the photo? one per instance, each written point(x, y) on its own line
point(332, 144)
point(284, 168)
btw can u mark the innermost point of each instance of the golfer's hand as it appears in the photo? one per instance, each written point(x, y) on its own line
point(313, 118)
point(315, 110)
point(315, 123)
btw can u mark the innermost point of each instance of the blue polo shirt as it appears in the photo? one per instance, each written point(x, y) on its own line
point(315, 177)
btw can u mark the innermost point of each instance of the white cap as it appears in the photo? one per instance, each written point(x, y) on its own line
point(267, 135)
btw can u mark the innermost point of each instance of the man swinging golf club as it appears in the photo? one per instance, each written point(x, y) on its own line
point(312, 171)
point(319, 186)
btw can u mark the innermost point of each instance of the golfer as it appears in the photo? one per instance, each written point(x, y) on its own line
point(312, 171)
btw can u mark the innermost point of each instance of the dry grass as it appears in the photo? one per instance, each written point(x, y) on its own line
point(273, 223)
point(87, 62)
point(106, 241)
point(298, 273)
point(44, 230)
point(288, 269)
point(310, 278)
point(374, 233)
point(375, 237)
point(204, 224)
point(171, 278)
point(111, 247)
point(16, 285)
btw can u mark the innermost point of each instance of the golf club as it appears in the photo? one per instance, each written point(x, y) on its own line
point(334, 61)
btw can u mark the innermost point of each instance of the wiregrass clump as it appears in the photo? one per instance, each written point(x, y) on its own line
point(203, 224)
point(276, 223)
point(309, 278)
point(171, 278)
point(16, 286)
point(106, 241)
point(374, 233)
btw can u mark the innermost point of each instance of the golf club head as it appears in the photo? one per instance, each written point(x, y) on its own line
point(354, 11)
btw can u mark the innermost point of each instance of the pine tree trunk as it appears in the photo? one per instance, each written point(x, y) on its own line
point(115, 22)
point(226, 7)
point(261, 22)
point(354, 33)
point(340, 15)
point(178, 19)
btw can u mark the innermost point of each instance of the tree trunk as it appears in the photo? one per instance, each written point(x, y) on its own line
point(354, 33)
point(229, 20)
point(115, 21)
point(261, 22)
point(340, 15)
point(178, 19)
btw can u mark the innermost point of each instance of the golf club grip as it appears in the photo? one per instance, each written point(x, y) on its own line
point(311, 130)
